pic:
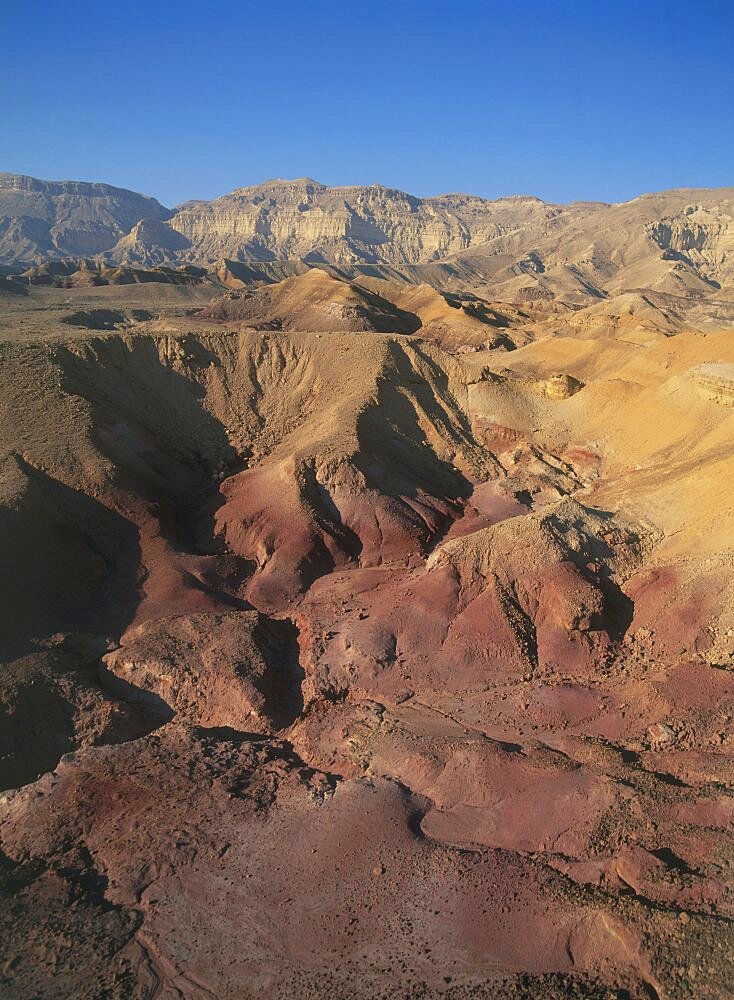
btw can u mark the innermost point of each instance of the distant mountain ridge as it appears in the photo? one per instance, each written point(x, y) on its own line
point(47, 219)
point(678, 243)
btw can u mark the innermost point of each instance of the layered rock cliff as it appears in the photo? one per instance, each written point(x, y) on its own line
point(347, 224)
point(519, 249)
point(40, 219)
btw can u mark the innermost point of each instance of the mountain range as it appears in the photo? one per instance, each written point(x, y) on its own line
point(678, 243)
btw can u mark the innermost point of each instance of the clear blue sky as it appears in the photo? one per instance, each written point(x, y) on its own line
point(595, 99)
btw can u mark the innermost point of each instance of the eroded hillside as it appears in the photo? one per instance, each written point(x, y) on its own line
point(342, 661)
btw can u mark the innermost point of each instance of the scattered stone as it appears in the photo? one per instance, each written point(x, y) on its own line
point(661, 734)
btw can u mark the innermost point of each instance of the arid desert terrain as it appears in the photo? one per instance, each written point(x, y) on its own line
point(367, 595)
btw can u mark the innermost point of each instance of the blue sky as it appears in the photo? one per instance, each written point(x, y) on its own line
point(565, 100)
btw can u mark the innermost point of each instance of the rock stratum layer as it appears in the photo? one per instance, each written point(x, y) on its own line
point(677, 243)
point(362, 636)
point(41, 219)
